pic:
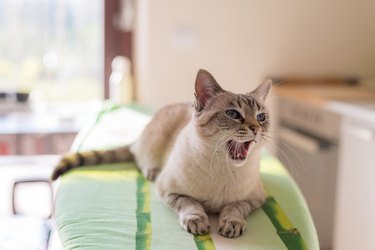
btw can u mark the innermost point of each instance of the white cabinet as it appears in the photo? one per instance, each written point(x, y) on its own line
point(355, 207)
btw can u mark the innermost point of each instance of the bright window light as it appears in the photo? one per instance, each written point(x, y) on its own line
point(53, 47)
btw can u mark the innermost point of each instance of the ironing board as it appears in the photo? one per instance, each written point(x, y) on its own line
point(112, 206)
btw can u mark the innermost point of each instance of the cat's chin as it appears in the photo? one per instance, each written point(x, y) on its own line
point(238, 162)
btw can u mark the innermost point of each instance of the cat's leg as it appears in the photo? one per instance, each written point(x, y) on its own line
point(157, 139)
point(191, 213)
point(151, 173)
point(232, 217)
point(147, 159)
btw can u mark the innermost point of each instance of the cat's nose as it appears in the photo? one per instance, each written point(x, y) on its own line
point(255, 129)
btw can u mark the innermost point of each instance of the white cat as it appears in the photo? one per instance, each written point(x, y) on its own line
point(206, 158)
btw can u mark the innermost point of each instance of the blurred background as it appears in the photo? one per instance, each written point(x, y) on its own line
point(61, 59)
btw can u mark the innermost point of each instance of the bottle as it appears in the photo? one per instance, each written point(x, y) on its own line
point(121, 81)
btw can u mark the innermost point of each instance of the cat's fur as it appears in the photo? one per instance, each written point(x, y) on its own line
point(206, 158)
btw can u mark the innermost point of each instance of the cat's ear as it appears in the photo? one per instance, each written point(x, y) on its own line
point(206, 88)
point(262, 91)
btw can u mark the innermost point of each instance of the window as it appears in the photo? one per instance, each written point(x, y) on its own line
point(52, 47)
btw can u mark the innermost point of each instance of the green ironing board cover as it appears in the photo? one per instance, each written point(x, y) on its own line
point(111, 206)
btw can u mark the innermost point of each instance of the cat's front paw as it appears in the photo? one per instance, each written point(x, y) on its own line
point(195, 224)
point(232, 228)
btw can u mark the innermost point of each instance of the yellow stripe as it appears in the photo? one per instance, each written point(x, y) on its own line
point(143, 213)
point(204, 242)
point(285, 229)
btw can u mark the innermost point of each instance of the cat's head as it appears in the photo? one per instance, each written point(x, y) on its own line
point(236, 123)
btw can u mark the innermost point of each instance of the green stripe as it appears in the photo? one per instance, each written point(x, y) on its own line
point(108, 107)
point(204, 242)
point(140, 109)
point(290, 235)
point(143, 213)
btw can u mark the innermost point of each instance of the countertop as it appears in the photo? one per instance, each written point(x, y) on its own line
point(53, 118)
point(322, 95)
point(362, 110)
point(346, 100)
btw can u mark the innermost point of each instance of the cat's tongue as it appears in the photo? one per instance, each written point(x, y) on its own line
point(238, 150)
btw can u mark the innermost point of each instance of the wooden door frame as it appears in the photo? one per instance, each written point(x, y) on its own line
point(116, 41)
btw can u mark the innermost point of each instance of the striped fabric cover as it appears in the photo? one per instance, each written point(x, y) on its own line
point(113, 207)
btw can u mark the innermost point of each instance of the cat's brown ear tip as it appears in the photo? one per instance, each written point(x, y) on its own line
point(203, 71)
point(268, 85)
point(269, 82)
point(262, 91)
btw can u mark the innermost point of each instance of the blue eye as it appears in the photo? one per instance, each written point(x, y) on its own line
point(261, 117)
point(233, 114)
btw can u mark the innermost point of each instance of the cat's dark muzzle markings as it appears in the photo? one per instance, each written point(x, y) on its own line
point(205, 158)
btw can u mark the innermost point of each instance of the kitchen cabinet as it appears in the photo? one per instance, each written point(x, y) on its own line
point(355, 204)
point(309, 118)
point(307, 145)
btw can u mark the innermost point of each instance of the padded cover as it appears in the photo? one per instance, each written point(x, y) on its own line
point(111, 206)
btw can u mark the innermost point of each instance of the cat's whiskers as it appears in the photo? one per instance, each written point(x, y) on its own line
point(236, 150)
point(229, 167)
point(285, 155)
point(221, 142)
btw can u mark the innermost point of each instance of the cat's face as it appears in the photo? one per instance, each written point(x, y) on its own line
point(236, 123)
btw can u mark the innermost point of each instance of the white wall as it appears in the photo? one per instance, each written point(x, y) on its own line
point(243, 41)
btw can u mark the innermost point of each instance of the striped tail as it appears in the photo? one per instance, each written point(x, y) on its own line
point(93, 157)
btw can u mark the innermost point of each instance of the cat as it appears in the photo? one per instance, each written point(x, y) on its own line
point(205, 157)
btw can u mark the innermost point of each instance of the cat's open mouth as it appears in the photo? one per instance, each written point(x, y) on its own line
point(238, 150)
